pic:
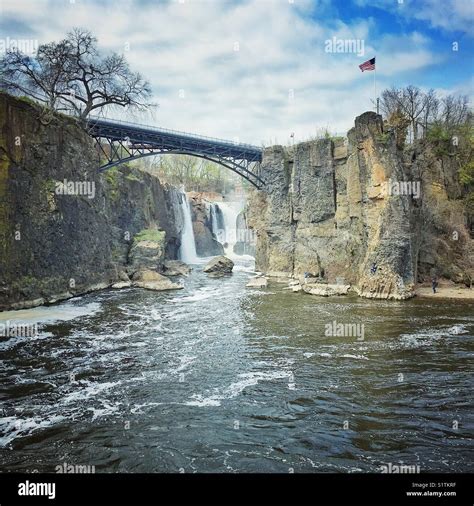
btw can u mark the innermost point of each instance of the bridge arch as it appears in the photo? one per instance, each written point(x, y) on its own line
point(121, 142)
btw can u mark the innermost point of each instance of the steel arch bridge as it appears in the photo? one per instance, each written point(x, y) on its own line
point(120, 142)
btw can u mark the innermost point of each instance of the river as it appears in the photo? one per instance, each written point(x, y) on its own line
point(218, 377)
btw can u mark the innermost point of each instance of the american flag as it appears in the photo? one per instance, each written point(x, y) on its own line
point(368, 65)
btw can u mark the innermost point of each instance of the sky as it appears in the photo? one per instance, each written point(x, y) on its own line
point(259, 71)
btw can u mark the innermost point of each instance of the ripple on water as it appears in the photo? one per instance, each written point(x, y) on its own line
point(257, 356)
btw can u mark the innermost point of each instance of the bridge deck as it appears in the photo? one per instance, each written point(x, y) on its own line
point(172, 140)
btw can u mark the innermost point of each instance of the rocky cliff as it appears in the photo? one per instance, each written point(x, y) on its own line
point(206, 241)
point(65, 229)
point(359, 211)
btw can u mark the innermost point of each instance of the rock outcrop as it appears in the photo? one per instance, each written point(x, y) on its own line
point(152, 280)
point(147, 251)
point(325, 290)
point(257, 282)
point(331, 210)
point(176, 268)
point(66, 229)
point(206, 242)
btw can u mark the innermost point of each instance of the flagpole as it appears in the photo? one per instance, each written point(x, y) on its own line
point(375, 87)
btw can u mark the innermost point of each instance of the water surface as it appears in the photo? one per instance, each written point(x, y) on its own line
point(222, 378)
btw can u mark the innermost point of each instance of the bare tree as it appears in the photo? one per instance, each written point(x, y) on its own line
point(413, 104)
point(430, 111)
point(44, 74)
point(194, 173)
point(455, 110)
point(422, 109)
point(72, 74)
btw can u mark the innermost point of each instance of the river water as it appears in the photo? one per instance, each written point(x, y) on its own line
point(218, 377)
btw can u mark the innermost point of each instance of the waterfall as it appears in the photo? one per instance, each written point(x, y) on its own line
point(230, 211)
point(187, 251)
point(214, 225)
point(217, 221)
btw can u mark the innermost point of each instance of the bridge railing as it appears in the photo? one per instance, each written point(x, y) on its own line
point(173, 132)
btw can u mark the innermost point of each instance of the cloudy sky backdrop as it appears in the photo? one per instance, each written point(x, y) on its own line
point(257, 70)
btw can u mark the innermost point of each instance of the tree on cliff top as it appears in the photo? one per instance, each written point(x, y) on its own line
point(73, 75)
point(424, 111)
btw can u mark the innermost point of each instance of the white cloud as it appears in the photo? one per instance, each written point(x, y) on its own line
point(243, 93)
point(450, 15)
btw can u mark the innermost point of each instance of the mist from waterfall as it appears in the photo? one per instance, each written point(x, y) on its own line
point(230, 211)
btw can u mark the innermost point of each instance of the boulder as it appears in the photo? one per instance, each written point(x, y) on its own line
point(122, 284)
point(220, 265)
point(123, 276)
point(326, 290)
point(152, 280)
point(258, 282)
point(176, 268)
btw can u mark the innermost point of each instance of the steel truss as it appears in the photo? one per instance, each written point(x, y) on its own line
point(119, 142)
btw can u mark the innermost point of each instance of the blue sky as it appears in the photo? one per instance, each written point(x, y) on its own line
point(258, 70)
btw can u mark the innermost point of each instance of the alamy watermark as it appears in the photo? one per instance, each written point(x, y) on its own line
point(336, 45)
point(403, 188)
point(232, 235)
point(399, 468)
point(34, 489)
point(66, 187)
point(14, 329)
point(335, 329)
point(26, 46)
point(66, 468)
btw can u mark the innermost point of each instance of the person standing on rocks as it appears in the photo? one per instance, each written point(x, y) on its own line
point(434, 283)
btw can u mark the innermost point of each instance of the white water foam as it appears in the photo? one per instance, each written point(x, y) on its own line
point(108, 409)
point(427, 337)
point(234, 389)
point(89, 389)
point(355, 357)
point(12, 427)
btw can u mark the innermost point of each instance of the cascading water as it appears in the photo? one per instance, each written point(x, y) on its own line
point(214, 224)
point(223, 218)
point(187, 251)
point(217, 222)
point(230, 211)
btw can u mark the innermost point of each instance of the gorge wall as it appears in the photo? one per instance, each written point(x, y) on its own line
point(331, 209)
point(206, 242)
point(53, 246)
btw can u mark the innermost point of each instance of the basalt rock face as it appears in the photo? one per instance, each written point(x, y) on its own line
point(332, 209)
point(446, 246)
point(57, 244)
